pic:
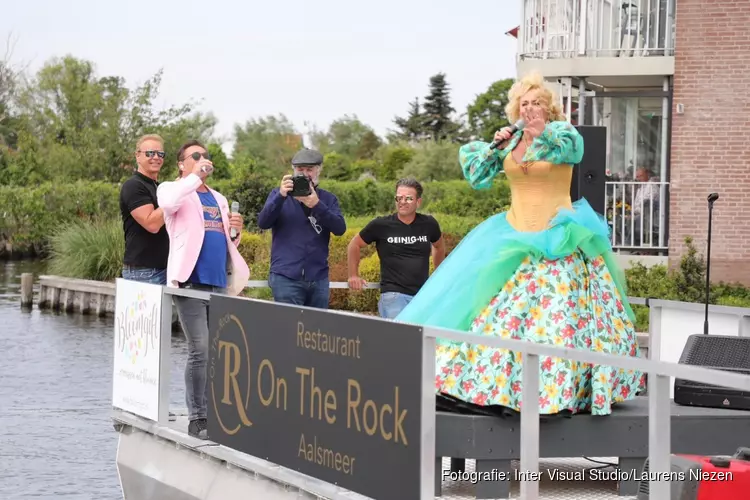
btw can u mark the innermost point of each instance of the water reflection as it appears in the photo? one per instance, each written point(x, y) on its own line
point(56, 435)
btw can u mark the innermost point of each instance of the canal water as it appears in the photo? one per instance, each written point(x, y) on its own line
point(56, 436)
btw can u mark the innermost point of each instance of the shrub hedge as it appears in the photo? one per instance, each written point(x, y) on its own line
point(32, 214)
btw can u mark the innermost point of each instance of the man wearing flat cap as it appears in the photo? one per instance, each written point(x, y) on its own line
point(301, 231)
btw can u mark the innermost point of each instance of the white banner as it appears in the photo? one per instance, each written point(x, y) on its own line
point(137, 342)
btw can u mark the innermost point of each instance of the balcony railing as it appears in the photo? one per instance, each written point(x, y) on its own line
point(556, 29)
point(637, 215)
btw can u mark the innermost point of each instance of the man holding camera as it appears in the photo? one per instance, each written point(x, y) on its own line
point(404, 242)
point(302, 217)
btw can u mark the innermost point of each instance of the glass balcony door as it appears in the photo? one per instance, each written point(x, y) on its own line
point(635, 166)
point(634, 138)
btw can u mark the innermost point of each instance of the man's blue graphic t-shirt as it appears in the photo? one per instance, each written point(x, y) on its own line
point(211, 267)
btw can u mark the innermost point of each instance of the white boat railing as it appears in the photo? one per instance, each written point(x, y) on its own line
point(659, 411)
point(558, 29)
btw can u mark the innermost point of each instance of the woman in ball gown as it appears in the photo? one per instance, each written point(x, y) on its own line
point(543, 271)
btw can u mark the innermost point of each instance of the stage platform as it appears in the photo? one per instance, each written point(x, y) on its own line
point(156, 461)
point(495, 442)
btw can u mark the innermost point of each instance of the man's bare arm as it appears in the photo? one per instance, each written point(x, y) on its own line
point(438, 251)
point(353, 256)
point(151, 219)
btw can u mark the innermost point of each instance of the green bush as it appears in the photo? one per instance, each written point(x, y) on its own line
point(369, 197)
point(687, 283)
point(88, 249)
point(32, 214)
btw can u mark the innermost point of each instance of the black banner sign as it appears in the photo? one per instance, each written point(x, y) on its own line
point(334, 396)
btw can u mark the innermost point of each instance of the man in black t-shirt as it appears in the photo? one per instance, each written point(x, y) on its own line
point(404, 242)
point(146, 238)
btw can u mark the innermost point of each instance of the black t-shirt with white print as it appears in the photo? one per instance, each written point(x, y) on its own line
point(403, 249)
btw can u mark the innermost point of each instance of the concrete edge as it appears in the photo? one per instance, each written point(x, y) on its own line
point(261, 468)
point(151, 468)
point(77, 285)
point(698, 307)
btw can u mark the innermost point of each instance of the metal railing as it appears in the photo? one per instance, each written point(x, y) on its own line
point(640, 301)
point(557, 29)
point(637, 214)
point(659, 411)
point(332, 284)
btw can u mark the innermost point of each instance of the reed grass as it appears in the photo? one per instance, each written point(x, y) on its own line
point(88, 249)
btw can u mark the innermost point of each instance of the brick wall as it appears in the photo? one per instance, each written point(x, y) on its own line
point(711, 139)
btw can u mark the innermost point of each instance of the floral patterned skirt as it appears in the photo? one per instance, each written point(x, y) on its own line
point(569, 302)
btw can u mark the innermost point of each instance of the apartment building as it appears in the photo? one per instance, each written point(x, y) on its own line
point(668, 79)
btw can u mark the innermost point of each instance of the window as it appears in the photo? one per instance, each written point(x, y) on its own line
point(634, 134)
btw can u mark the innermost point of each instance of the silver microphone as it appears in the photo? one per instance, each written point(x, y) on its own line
point(519, 125)
point(235, 210)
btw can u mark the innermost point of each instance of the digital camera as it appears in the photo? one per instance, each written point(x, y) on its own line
point(301, 185)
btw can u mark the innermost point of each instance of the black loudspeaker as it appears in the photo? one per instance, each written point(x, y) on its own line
point(717, 352)
point(589, 176)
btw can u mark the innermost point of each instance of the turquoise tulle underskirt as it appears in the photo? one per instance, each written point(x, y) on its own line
point(476, 270)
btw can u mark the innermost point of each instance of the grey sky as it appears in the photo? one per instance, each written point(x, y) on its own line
point(311, 60)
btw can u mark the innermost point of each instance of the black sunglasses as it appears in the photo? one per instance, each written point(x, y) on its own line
point(150, 153)
point(407, 199)
point(197, 156)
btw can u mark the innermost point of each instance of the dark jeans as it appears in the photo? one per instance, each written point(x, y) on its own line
point(301, 293)
point(145, 275)
point(193, 314)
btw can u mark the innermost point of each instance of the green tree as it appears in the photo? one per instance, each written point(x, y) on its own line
point(348, 147)
point(486, 114)
point(222, 169)
point(336, 167)
point(348, 137)
point(391, 160)
point(434, 161)
point(8, 122)
point(82, 126)
point(411, 128)
point(199, 126)
point(270, 141)
point(251, 193)
point(438, 112)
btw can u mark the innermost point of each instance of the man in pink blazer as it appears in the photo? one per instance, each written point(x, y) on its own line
point(202, 256)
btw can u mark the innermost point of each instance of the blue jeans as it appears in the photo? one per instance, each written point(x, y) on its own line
point(145, 275)
point(193, 314)
point(392, 303)
point(302, 293)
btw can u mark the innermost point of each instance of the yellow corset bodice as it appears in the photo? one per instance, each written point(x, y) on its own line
point(536, 193)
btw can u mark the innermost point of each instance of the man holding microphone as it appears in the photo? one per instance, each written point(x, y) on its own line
point(203, 255)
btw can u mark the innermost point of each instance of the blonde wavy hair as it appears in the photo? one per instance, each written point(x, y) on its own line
point(547, 98)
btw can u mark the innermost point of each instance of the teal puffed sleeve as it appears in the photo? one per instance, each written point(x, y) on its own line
point(559, 143)
point(480, 164)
